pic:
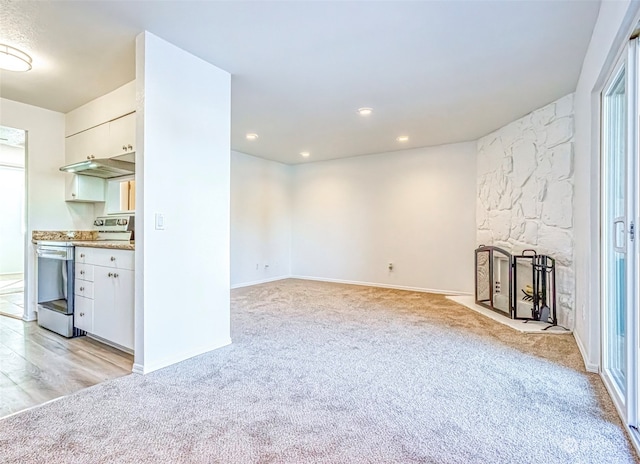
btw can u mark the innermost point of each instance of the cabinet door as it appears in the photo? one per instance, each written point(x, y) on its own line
point(83, 313)
point(84, 189)
point(123, 308)
point(83, 145)
point(113, 305)
point(122, 135)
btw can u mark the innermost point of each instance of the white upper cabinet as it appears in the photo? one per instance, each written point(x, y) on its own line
point(113, 138)
point(93, 142)
point(103, 128)
point(122, 135)
point(84, 189)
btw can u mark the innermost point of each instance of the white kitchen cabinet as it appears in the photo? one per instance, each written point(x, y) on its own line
point(104, 288)
point(89, 144)
point(107, 140)
point(84, 189)
point(83, 313)
point(122, 135)
point(113, 305)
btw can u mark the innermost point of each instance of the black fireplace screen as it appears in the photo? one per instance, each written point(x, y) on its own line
point(519, 286)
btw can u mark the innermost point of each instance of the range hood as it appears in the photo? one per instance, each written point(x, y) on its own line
point(104, 167)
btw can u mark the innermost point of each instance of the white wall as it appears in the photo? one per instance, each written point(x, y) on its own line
point(525, 192)
point(413, 208)
point(12, 204)
point(102, 109)
point(183, 172)
point(11, 225)
point(46, 208)
point(260, 220)
point(616, 21)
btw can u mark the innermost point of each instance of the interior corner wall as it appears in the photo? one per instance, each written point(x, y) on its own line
point(183, 173)
point(525, 192)
point(616, 21)
point(412, 208)
point(260, 220)
point(46, 208)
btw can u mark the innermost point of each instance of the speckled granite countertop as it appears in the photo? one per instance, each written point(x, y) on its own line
point(112, 244)
point(63, 235)
point(85, 238)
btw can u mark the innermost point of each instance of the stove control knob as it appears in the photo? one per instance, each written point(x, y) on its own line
point(122, 222)
point(98, 222)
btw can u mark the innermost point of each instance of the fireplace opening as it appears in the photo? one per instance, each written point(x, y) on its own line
point(517, 286)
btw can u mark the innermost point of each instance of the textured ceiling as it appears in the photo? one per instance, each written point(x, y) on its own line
point(439, 72)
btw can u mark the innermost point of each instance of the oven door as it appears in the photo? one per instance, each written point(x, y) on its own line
point(55, 278)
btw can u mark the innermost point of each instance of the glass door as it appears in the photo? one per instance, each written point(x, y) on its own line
point(619, 146)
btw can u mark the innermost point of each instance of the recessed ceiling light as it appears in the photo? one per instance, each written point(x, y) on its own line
point(252, 136)
point(13, 59)
point(403, 138)
point(305, 154)
point(365, 111)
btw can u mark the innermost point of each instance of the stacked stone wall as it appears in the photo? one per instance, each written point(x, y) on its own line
point(525, 192)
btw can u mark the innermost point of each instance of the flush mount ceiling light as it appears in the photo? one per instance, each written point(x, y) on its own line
point(365, 111)
point(403, 138)
point(252, 136)
point(12, 59)
point(305, 154)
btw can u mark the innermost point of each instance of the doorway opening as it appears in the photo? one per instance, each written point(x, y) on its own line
point(12, 225)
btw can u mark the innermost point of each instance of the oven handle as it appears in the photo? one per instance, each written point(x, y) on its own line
point(52, 254)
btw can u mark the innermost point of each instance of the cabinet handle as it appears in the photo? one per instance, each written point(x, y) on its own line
point(81, 314)
point(129, 147)
point(82, 289)
point(110, 274)
point(113, 258)
point(73, 194)
point(88, 157)
point(82, 255)
point(93, 157)
point(124, 147)
point(81, 272)
point(115, 275)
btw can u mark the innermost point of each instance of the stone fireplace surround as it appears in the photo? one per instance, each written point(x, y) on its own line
point(525, 192)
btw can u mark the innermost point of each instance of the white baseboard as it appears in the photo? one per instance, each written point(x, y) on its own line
point(380, 285)
point(150, 367)
point(257, 282)
point(588, 365)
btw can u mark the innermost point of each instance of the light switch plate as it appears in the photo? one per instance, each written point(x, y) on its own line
point(159, 221)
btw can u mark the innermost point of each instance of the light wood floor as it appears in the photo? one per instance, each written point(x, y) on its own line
point(37, 365)
point(11, 295)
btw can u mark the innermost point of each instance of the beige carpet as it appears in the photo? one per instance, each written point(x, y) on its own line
point(329, 373)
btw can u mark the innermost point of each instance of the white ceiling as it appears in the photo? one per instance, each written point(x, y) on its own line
point(438, 71)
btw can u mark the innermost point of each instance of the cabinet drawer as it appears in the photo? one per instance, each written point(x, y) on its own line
point(83, 313)
point(81, 254)
point(116, 259)
point(84, 288)
point(83, 272)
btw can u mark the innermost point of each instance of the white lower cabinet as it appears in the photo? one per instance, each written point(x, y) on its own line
point(104, 298)
point(83, 313)
point(113, 305)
